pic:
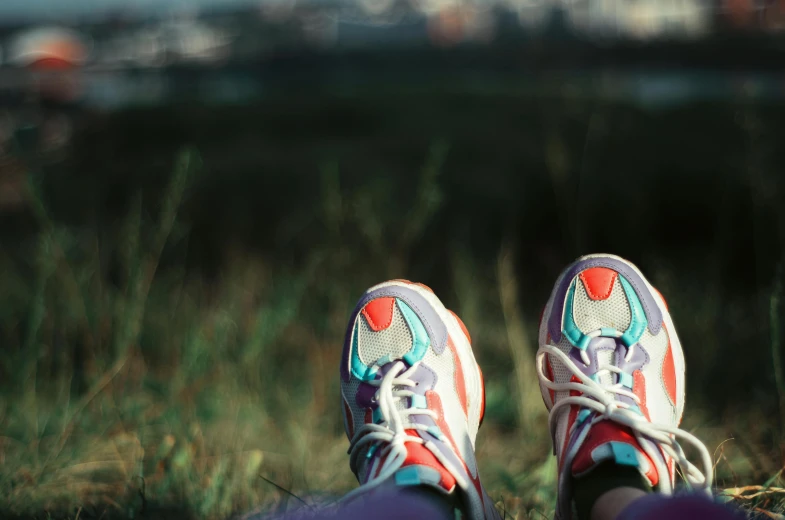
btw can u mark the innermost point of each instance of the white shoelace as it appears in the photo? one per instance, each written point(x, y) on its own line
point(602, 399)
point(391, 431)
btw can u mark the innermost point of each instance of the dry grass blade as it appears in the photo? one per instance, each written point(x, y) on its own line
point(739, 492)
point(521, 349)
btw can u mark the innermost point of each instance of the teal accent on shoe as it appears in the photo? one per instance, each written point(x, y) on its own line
point(570, 329)
point(626, 380)
point(359, 369)
point(417, 475)
point(436, 432)
point(408, 477)
point(420, 336)
point(419, 401)
point(383, 360)
point(376, 415)
point(638, 321)
point(371, 451)
point(583, 344)
point(595, 378)
point(583, 415)
point(609, 332)
point(624, 454)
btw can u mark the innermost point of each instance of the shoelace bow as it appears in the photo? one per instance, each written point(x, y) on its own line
point(602, 399)
point(391, 430)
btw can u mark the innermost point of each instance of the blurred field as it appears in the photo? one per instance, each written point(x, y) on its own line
point(172, 328)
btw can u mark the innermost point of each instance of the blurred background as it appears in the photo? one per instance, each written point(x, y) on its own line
point(194, 194)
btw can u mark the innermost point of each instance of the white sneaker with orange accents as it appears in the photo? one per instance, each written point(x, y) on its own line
point(611, 372)
point(413, 396)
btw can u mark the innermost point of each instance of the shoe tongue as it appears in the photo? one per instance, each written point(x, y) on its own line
point(609, 441)
point(606, 357)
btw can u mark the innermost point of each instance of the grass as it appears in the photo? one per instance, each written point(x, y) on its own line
point(132, 390)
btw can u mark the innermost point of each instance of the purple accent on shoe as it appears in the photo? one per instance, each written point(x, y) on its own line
point(686, 507)
point(347, 347)
point(638, 360)
point(365, 395)
point(596, 345)
point(436, 328)
point(425, 377)
point(653, 312)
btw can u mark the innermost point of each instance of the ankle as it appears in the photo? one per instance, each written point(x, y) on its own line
point(610, 504)
point(607, 490)
point(444, 505)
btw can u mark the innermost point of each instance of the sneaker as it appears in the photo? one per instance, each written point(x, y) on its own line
point(611, 373)
point(413, 396)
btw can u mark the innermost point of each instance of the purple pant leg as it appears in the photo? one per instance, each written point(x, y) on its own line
point(685, 507)
point(392, 505)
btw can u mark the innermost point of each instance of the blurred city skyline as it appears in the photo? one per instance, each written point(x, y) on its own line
point(14, 11)
point(23, 10)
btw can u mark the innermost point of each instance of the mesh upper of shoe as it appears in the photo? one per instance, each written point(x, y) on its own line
point(394, 341)
point(591, 314)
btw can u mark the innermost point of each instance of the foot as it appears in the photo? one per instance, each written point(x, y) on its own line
point(611, 372)
point(413, 396)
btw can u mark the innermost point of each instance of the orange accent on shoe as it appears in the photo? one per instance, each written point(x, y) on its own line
point(602, 433)
point(420, 455)
point(662, 298)
point(598, 282)
point(349, 418)
point(460, 382)
point(669, 371)
point(463, 326)
point(639, 389)
point(435, 404)
point(379, 313)
point(482, 398)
